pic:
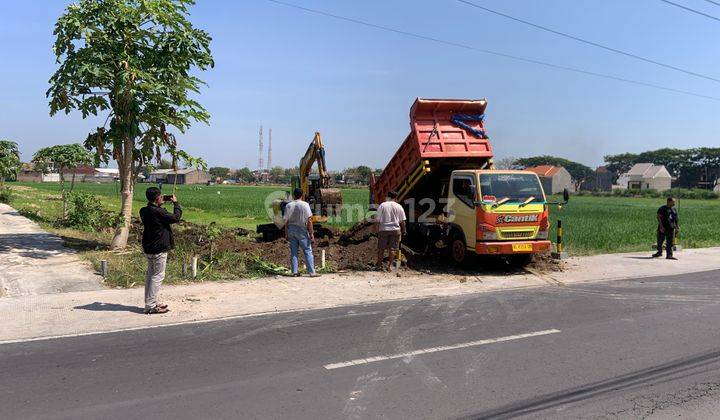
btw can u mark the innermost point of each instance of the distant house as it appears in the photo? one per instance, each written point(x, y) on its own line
point(180, 176)
point(601, 180)
point(96, 175)
point(646, 176)
point(554, 179)
point(31, 175)
point(158, 176)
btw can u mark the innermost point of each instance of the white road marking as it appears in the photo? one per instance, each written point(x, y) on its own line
point(437, 349)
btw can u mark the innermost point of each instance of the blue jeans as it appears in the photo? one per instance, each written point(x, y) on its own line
point(300, 238)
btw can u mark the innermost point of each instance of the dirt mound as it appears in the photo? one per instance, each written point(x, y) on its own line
point(353, 249)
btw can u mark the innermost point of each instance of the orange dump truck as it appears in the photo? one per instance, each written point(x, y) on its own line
point(453, 196)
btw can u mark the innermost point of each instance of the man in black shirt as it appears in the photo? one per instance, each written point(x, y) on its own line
point(668, 225)
point(157, 240)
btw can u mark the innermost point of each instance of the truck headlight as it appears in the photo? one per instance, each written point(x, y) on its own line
point(489, 236)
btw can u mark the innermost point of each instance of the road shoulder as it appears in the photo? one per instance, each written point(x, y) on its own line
point(87, 312)
point(37, 262)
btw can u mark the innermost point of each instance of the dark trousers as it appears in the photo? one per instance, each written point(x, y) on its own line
point(668, 237)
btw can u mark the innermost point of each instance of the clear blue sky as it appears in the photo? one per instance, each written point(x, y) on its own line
point(299, 73)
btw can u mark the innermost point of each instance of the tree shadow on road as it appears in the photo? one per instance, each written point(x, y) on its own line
point(43, 245)
point(83, 244)
point(31, 245)
point(110, 307)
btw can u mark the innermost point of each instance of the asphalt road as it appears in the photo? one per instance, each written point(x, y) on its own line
point(623, 349)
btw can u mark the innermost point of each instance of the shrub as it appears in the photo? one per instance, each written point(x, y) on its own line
point(5, 195)
point(86, 213)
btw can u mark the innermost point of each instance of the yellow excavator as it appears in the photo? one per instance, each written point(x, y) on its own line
point(324, 201)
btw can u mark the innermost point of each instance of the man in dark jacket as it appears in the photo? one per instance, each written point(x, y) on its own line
point(157, 240)
point(668, 225)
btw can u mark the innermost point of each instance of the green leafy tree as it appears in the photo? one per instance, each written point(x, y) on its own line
point(135, 62)
point(63, 158)
point(691, 167)
point(244, 174)
point(620, 164)
point(579, 172)
point(363, 173)
point(9, 161)
point(278, 175)
point(219, 172)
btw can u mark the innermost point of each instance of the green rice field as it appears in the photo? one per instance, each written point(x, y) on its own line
point(592, 225)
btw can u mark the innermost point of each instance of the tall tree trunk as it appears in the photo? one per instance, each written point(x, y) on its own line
point(63, 195)
point(125, 167)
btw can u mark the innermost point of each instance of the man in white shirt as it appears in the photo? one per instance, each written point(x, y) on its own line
point(299, 232)
point(390, 223)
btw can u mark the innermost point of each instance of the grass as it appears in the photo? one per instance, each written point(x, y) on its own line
point(592, 225)
point(228, 205)
point(598, 225)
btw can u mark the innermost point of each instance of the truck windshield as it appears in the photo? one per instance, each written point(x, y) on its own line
point(515, 187)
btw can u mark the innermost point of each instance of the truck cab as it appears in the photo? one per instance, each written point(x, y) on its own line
point(496, 212)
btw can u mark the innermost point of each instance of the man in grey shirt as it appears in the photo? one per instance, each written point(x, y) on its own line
point(390, 225)
point(299, 232)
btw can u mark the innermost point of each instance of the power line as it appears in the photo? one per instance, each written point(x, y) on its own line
point(713, 2)
point(692, 10)
point(594, 44)
point(495, 53)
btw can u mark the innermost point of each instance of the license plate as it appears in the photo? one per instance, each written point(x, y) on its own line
point(522, 247)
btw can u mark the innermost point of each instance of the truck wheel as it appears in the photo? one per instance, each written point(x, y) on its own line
point(458, 250)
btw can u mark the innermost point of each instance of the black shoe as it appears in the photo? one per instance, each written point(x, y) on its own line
point(296, 275)
point(670, 257)
point(156, 310)
point(656, 255)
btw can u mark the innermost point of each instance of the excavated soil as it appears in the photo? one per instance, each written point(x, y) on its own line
point(354, 249)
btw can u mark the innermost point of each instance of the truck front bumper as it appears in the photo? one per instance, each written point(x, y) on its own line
point(512, 247)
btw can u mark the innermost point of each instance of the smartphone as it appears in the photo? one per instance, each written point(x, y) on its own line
point(167, 197)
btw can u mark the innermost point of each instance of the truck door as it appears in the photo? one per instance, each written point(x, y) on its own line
point(463, 192)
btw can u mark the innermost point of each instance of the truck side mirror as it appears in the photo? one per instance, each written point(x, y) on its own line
point(566, 195)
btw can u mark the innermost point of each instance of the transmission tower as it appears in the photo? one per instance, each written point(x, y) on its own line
point(260, 150)
point(269, 162)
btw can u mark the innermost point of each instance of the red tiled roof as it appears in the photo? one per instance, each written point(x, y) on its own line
point(545, 170)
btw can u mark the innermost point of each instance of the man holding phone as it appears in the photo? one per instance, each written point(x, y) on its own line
point(157, 240)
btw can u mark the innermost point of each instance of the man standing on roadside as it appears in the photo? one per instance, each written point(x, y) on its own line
point(668, 225)
point(299, 232)
point(390, 226)
point(157, 240)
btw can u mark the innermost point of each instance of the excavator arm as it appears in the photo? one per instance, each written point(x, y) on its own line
point(315, 153)
point(323, 200)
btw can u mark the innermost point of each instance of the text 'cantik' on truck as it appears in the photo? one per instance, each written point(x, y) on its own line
point(453, 196)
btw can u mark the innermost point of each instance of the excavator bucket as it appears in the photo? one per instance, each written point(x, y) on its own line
point(330, 200)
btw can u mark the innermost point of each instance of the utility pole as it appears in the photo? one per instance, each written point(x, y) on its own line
point(269, 162)
point(260, 150)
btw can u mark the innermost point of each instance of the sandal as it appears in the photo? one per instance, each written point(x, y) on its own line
point(156, 310)
point(162, 305)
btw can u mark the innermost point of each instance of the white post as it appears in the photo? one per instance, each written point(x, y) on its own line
point(194, 266)
point(322, 258)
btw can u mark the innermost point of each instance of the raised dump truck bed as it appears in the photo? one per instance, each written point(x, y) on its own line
point(445, 135)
